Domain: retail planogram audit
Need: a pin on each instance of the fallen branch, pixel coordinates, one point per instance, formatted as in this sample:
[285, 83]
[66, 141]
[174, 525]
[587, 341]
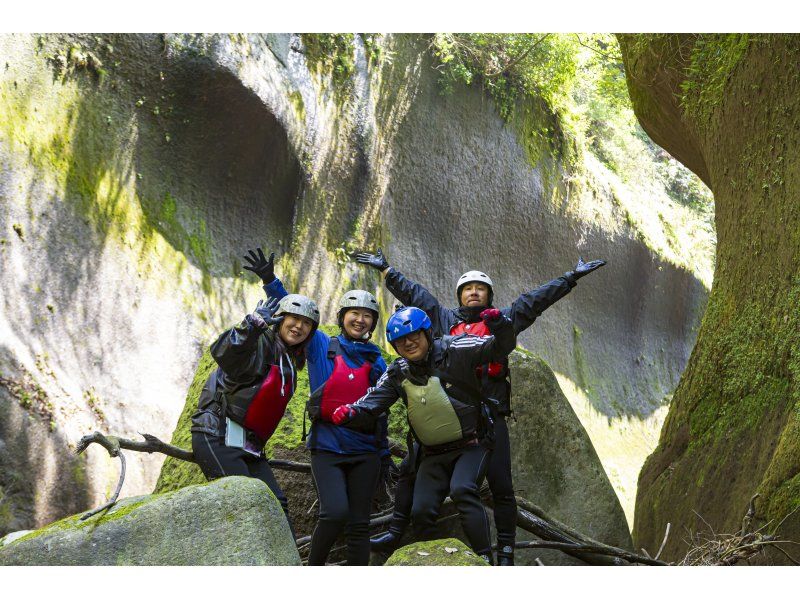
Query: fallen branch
[112, 501]
[152, 444]
[711, 548]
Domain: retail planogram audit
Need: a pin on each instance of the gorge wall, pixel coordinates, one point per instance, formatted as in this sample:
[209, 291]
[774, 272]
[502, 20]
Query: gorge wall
[727, 106]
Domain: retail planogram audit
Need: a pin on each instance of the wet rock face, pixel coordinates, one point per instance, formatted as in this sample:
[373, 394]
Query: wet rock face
[234, 521]
[130, 190]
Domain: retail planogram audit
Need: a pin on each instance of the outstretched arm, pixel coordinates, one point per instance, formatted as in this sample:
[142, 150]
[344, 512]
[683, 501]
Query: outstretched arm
[529, 306]
[410, 293]
[376, 402]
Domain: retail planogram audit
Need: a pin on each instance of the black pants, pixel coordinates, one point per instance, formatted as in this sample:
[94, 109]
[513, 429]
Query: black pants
[498, 475]
[345, 486]
[217, 460]
[458, 473]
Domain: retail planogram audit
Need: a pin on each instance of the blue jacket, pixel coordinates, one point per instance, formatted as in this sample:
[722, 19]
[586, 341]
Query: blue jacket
[325, 436]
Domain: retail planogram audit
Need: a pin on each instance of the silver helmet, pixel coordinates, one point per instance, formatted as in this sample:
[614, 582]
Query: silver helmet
[358, 298]
[474, 276]
[299, 305]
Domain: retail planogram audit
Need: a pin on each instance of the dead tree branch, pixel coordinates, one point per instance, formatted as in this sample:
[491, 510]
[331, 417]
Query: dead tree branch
[112, 501]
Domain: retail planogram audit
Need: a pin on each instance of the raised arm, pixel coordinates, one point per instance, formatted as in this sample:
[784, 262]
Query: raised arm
[410, 293]
[265, 269]
[529, 306]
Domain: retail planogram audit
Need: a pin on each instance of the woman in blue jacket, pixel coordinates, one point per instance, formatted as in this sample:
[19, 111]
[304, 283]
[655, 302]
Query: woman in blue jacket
[345, 460]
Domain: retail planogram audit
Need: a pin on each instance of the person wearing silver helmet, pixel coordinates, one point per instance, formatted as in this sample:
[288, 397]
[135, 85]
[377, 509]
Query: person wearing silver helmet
[475, 293]
[244, 399]
[346, 461]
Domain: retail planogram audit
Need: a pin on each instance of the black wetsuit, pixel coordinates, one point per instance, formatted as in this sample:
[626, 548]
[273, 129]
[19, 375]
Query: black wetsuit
[447, 417]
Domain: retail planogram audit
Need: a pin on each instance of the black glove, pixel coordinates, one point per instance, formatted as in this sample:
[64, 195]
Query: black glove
[263, 267]
[262, 316]
[583, 268]
[377, 260]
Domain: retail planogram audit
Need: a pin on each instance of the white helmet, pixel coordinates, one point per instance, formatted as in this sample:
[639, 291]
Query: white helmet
[474, 276]
[299, 305]
[358, 298]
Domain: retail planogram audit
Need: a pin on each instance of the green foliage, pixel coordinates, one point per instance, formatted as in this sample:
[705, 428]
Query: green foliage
[509, 65]
[330, 53]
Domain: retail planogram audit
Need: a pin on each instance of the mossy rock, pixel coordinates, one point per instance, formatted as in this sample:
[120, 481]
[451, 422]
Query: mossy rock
[436, 553]
[232, 521]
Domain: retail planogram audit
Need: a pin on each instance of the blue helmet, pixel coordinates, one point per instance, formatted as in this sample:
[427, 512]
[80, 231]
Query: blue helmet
[405, 321]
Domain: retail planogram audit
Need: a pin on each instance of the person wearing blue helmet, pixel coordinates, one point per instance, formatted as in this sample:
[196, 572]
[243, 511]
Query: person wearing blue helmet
[436, 379]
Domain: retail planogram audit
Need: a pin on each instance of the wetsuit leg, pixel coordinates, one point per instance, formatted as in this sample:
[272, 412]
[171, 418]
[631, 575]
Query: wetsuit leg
[468, 473]
[331, 484]
[430, 490]
[403, 496]
[217, 460]
[362, 473]
[498, 475]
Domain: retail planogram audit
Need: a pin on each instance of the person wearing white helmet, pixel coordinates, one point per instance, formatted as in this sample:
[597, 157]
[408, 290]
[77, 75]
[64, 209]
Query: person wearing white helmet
[346, 461]
[474, 293]
[244, 399]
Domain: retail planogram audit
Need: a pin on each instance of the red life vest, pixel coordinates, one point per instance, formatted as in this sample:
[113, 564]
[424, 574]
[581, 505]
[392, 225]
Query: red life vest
[494, 369]
[345, 385]
[268, 405]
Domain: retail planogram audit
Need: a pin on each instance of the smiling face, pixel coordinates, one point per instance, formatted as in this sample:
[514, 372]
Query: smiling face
[295, 329]
[414, 346]
[475, 294]
[357, 322]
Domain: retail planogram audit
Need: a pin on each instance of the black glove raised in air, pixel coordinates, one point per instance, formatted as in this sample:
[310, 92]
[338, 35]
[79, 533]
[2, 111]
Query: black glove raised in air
[376, 260]
[263, 267]
[583, 268]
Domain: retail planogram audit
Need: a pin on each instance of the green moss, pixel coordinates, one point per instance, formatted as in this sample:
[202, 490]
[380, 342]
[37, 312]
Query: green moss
[174, 472]
[296, 100]
[331, 53]
[712, 60]
[448, 552]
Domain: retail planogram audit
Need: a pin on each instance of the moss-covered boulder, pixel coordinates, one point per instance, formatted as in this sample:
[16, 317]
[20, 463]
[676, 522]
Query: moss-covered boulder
[554, 463]
[728, 107]
[448, 552]
[233, 521]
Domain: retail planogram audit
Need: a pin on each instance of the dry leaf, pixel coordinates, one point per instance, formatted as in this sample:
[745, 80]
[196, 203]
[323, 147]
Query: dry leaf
[420, 553]
[449, 550]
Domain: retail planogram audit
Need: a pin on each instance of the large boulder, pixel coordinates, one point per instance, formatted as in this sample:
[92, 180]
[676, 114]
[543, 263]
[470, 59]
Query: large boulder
[448, 552]
[232, 521]
[727, 106]
[554, 463]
